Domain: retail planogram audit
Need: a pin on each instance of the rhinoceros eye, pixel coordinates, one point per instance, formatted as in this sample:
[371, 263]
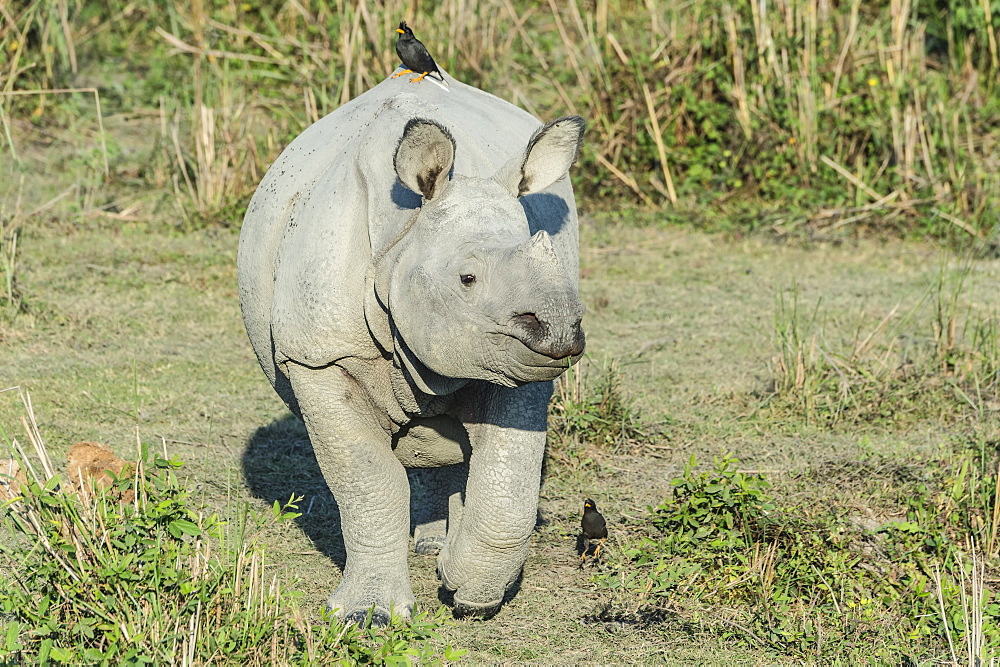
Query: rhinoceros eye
[467, 279]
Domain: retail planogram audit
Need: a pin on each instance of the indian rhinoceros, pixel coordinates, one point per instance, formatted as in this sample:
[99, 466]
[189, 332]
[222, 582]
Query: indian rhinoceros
[408, 280]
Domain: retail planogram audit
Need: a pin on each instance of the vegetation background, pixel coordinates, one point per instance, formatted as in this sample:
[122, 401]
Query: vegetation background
[828, 150]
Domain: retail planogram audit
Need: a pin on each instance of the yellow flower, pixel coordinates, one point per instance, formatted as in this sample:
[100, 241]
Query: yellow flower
[246, 6]
[873, 82]
[12, 47]
[792, 141]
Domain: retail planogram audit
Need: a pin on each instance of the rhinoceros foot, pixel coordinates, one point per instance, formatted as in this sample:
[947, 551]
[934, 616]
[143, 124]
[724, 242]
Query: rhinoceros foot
[478, 592]
[471, 610]
[380, 593]
[380, 618]
[429, 538]
[430, 545]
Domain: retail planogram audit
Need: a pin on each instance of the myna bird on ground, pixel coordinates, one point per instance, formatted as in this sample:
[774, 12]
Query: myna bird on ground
[595, 529]
[414, 55]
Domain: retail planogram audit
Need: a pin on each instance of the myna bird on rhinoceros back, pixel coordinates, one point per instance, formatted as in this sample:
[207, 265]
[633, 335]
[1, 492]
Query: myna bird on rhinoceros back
[595, 529]
[414, 55]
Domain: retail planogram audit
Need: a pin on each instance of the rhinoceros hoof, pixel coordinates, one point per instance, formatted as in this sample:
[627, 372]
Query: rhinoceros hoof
[464, 607]
[354, 600]
[476, 610]
[446, 583]
[430, 545]
[359, 617]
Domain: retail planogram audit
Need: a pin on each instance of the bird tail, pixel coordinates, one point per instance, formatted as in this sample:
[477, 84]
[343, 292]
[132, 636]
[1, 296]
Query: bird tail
[440, 82]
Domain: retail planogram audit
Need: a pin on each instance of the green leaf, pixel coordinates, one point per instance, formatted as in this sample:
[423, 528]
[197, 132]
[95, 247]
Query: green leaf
[902, 526]
[44, 649]
[11, 643]
[93, 654]
[62, 654]
[183, 526]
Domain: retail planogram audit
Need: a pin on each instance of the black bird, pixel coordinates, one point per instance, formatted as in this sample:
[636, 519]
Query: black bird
[595, 529]
[414, 55]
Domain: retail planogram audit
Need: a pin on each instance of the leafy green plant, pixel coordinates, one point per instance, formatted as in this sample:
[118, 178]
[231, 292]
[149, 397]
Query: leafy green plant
[805, 581]
[110, 580]
[717, 509]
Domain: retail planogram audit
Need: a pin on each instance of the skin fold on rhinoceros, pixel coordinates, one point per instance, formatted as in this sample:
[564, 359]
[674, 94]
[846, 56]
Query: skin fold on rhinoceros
[408, 279]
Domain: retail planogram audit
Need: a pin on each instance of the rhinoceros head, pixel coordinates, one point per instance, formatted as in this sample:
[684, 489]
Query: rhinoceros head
[467, 290]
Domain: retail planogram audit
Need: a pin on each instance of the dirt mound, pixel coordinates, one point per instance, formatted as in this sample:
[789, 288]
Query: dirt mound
[93, 467]
[11, 479]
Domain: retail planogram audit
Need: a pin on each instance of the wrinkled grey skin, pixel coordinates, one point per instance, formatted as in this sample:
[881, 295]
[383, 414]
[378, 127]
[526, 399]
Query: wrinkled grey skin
[408, 279]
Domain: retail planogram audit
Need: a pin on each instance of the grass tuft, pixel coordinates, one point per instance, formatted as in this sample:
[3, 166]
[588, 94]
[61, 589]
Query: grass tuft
[894, 366]
[591, 416]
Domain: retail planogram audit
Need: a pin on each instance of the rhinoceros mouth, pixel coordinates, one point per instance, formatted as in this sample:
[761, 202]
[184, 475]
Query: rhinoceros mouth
[525, 365]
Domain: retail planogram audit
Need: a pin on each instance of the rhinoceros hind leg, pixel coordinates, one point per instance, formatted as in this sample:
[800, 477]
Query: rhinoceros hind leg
[431, 490]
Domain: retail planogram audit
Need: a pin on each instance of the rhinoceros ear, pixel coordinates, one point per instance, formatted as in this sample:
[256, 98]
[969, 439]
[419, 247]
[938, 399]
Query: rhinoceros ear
[424, 157]
[551, 151]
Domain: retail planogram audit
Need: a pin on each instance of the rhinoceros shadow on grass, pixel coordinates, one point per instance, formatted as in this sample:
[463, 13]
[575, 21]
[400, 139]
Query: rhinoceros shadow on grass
[278, 464]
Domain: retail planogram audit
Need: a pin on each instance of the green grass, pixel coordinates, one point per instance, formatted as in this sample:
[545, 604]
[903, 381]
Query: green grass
[591, 415]
[815, 580]
[878, 554]
[937, 355]
[142, 330]
[791, 565]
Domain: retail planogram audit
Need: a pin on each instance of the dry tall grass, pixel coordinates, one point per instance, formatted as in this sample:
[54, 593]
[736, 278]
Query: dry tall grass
[845, 110]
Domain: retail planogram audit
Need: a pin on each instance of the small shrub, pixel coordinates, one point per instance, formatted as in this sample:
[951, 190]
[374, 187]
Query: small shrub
[717, 509]
[804, 581]
[97, 579]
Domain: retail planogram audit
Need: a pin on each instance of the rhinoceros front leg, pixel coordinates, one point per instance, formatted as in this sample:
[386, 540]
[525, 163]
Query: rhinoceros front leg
[488, 539]
[370, 487]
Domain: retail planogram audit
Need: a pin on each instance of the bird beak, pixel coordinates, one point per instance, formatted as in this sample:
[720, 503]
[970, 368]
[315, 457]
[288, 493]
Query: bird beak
[401, 32]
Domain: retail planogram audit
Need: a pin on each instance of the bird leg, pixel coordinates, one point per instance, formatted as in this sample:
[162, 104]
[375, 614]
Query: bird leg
[586, 550]
[598, 549]
[405, 71]
[418, 78]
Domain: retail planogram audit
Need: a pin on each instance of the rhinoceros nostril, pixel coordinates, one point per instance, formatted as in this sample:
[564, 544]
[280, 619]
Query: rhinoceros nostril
[528, 320]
